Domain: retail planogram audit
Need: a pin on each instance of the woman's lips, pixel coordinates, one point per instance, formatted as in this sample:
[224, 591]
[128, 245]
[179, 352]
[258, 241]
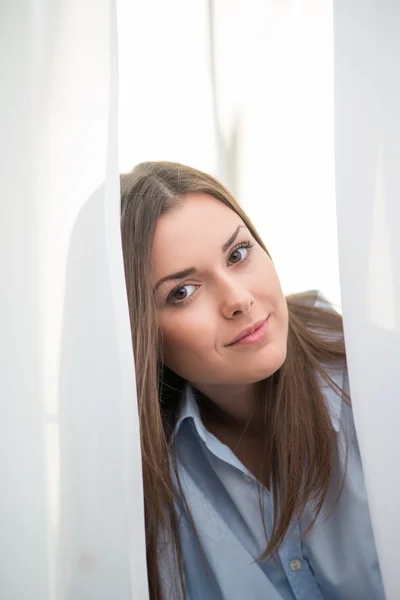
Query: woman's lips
[251, 335]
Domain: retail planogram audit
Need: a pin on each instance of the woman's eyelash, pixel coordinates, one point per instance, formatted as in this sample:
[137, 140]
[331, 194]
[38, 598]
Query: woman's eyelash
[247, 244]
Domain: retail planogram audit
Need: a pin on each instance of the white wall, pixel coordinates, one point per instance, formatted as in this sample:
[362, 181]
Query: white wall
[165, 104]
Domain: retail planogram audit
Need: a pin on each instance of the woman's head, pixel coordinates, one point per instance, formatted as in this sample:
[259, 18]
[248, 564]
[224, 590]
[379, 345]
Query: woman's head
[207, 277]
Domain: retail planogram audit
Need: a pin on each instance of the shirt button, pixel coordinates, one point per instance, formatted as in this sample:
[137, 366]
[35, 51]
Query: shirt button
[295, 564]
[247, 478]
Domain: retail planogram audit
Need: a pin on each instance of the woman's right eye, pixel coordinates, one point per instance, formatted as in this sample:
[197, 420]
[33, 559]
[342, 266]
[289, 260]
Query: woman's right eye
[181, 294]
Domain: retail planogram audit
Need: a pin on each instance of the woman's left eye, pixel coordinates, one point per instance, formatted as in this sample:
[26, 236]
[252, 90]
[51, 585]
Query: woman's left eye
[240, 253]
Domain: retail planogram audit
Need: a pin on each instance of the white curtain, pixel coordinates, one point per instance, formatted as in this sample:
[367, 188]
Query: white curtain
[367, 134]
[71, 502]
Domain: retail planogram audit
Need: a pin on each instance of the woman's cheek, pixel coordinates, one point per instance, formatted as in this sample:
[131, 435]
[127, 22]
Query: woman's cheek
[185, 329]
[187, 342]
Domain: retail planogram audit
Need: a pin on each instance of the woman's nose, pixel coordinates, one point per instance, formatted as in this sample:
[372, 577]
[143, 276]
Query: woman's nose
[236, 299]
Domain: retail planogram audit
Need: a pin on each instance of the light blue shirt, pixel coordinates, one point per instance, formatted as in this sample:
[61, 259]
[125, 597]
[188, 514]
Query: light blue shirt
[336, 560]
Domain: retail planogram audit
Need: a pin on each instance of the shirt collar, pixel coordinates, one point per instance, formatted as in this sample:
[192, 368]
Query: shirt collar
[190, 411]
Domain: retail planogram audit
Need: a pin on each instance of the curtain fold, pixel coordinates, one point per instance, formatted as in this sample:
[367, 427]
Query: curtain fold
[367, 137]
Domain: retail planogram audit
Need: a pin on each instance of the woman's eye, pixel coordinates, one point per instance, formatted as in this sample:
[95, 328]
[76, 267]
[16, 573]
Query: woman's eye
[238, 255]
[182, 293]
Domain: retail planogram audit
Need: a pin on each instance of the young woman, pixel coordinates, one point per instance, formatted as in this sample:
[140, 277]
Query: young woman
[252, 475]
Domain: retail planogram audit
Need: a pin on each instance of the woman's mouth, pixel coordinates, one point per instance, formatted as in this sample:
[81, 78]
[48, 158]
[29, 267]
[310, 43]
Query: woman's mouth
[252, 334]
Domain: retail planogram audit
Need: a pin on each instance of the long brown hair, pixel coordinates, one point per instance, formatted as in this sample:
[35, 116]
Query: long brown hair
[300, 445]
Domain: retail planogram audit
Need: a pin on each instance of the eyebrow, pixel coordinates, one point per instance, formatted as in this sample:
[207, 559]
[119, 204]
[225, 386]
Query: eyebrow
[178, 275]
[233, 237]
[191, 270]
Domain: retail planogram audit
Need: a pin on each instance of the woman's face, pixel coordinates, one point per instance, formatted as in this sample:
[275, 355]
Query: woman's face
[213, 283]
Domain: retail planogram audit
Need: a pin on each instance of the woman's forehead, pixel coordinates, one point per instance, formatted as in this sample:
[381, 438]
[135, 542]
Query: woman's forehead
[196, 216]
[182, 233]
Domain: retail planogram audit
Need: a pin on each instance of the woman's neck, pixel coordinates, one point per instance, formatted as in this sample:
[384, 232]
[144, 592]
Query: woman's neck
[236, 417]
[235, 407]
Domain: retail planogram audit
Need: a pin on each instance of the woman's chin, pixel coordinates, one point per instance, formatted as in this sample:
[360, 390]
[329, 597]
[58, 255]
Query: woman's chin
[257, 369]
[264, 364]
